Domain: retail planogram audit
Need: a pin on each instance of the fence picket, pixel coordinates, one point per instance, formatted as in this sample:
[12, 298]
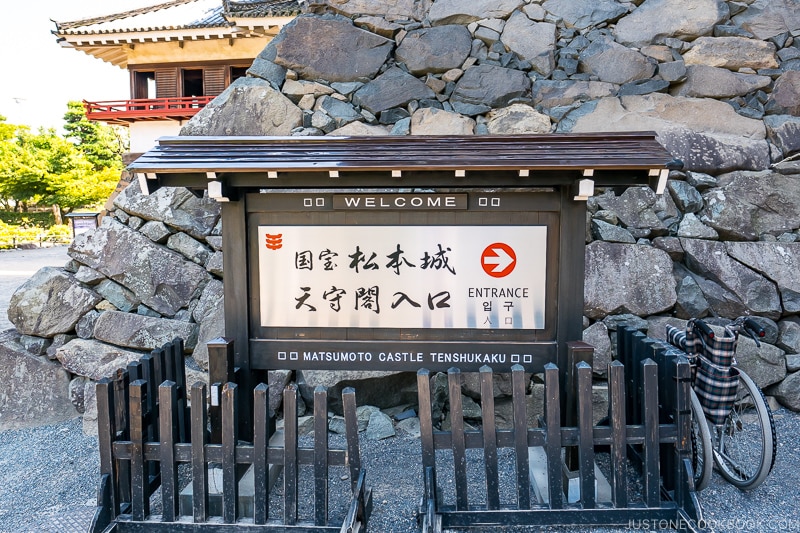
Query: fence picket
[106, 434]
[489, 439]
[351, 434]
[649, 371]
[230, 436]
[121, 486]
[199, 465]
[552, 420]
[619, 432]
[521, 437]
[426, 419]
[585, 436]
[140, 497]
[320, 456]
[261, 434]
[457, 432]
[168, 400]
[290, 455]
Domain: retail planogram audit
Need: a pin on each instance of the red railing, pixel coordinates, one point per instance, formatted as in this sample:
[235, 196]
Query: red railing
[127, 111]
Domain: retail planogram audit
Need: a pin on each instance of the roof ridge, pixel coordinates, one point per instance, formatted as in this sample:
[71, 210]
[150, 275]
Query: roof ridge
[118, 16]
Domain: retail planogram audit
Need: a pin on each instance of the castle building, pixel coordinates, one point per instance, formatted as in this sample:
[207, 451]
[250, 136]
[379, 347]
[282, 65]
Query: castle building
[180, 54]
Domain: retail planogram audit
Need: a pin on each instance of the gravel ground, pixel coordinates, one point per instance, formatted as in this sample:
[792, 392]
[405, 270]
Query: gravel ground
[16, 266]
[48, 479]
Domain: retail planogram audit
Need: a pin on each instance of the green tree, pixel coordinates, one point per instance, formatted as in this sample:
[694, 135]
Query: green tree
[22, 170]
[7, 131]
[102, 145]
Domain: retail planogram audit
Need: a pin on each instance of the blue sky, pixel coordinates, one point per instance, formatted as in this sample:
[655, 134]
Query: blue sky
[40, 77]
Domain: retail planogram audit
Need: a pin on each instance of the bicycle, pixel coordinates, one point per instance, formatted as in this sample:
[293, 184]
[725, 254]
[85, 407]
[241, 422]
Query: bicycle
[732, 425]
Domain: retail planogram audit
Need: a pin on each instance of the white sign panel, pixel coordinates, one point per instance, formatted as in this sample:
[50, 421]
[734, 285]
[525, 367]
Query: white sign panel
[472, 277]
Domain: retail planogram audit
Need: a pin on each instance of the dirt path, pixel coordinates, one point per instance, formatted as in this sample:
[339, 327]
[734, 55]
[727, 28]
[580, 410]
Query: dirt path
[16, 266]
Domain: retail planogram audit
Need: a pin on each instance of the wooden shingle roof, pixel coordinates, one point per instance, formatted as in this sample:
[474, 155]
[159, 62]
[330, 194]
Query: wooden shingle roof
[609, 158]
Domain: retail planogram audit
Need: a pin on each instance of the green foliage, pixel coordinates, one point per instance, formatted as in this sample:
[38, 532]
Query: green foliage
[12, 234]
[102, 145]
[32, 218]
[46, 169]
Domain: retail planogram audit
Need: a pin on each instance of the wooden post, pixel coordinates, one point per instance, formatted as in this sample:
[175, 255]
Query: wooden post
[552, 417]
[140, 484]
[489, 439]
[652, 477]
[518, 387]
[199, 465]
[585, 435]
[290, 455]
[619, 434]
[106, 433]
[220, 372]
[230, 437]
[262, 432]
[168, 399]
[457, 432]
[321, 456]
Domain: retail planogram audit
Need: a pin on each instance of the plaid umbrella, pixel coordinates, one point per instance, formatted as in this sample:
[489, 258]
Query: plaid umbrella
[715, 379]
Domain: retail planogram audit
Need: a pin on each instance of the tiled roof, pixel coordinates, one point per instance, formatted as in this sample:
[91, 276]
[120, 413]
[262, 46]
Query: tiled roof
[261, 8]
[178, 15]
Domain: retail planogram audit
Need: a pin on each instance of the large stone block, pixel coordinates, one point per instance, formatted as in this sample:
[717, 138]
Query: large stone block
[746, 205]
[768, 18]
[552, 93]
[765, 364]
[710, 259]
[393, 88]
[517, 119]
[163, 280]
[706, 134]
[437, 49]
[249, 106]
[732, 53]
[432, 121]
[143, 332]
[210, 314]
[788, 391]
[94, 359]
[635, 208]
[490, 86]
[391, 9]
[656, 20]
[330, 48]
[534, 42]
[583, 14]
[613, 63]
[785, 97]
[460, 12]
[784, 132]
[174, 206]
[627, 278]
[711, 82]
[33, 390]
[49, 303]
[779, 262]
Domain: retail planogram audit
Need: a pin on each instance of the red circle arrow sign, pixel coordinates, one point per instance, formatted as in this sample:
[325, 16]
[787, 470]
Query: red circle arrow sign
[498, 260]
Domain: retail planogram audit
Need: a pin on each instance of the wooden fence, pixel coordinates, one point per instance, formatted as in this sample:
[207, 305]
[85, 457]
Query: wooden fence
[635, 436]
[147, 432]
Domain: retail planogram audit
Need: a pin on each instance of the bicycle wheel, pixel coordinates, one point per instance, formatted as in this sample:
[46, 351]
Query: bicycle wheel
[744, 445]
[702, 454]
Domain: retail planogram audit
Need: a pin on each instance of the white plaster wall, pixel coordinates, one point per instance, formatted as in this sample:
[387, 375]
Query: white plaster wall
[144, 134]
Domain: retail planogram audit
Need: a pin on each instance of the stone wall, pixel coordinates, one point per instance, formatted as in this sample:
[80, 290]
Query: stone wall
[719, 83]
